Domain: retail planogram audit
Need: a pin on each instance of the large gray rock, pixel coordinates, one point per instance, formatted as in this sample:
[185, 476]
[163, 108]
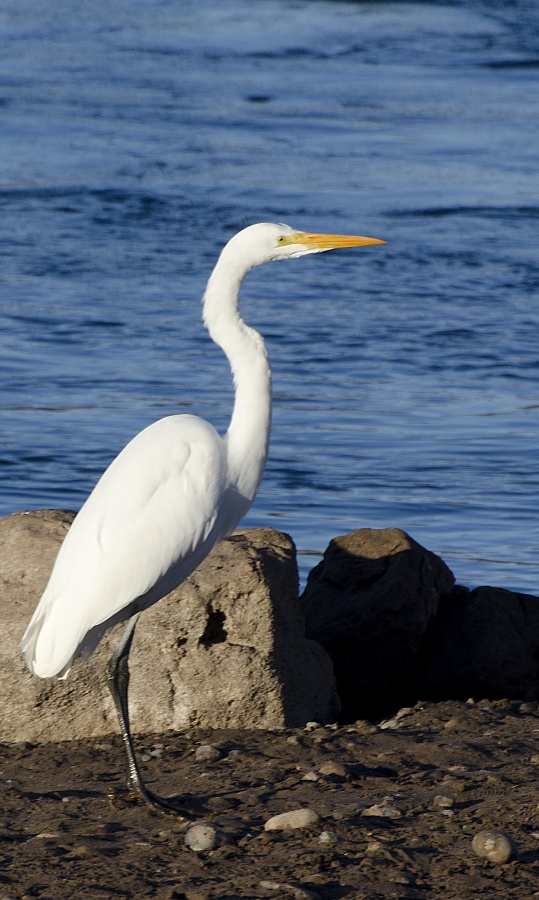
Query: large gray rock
[484, 644]
[226, 649]
[369, 603]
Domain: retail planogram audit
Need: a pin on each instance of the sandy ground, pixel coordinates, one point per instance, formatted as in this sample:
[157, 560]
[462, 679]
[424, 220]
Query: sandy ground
[440, 775]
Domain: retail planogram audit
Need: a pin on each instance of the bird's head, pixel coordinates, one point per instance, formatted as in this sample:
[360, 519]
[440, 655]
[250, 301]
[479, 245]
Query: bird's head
[266, 241]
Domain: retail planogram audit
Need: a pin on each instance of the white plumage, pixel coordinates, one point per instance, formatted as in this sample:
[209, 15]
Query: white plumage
[175, 490]
[140, 533]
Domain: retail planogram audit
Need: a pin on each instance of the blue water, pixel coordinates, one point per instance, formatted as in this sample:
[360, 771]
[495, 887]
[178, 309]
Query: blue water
[136, 137]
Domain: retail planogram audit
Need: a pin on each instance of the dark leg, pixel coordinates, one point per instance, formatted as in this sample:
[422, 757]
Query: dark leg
[118, 680]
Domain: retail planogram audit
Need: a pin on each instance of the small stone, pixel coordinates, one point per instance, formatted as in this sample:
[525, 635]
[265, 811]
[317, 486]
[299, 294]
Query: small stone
[453, 723]
[312, 726]
[201, 838]
[528, 707]
[384, 810]
[311, 776]
[374, 846]
[401, 878]
[443, 802]
[417, 777]
[390, 723]
[405, 711]
[295, 818]
[218, 804]
[496, 846]
[207, 753]
[289, 890]
[328, 837]
[319, 735]
[458, 785]
[334, 769]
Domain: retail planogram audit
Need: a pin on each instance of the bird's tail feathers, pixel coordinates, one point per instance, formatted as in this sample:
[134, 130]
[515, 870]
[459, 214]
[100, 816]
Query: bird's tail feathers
[48, 649]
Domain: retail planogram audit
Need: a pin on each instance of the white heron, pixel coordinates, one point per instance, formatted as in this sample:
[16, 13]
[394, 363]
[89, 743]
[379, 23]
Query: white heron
[175, 490]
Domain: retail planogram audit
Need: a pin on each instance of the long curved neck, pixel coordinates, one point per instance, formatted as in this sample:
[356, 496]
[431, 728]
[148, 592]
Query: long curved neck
[247, 437]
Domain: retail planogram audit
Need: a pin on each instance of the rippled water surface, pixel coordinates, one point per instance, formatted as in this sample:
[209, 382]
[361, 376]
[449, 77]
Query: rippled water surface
[135, 138]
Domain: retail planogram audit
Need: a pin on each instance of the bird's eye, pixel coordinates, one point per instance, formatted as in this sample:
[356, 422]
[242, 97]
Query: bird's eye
[281, 239]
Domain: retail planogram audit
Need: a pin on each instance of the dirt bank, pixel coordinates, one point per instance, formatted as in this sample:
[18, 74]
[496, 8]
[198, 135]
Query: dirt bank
[439, 775]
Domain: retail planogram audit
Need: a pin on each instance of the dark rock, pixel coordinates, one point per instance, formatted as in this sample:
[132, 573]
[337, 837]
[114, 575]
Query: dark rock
[369, 603]
[483, 643]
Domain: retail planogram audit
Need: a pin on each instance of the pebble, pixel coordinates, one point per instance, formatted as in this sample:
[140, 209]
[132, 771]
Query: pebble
[396, 720]
[496, 846]
[443, 802]
[207, 753]
[289, 890]
[335, 769]
[201, 838]
[328, 837]
[366, 728]
[295, 818]
[155, 753]
[458, 785]
[384, 810]
[528, 707]
[374, 846]
[401, 878]
[390, 723]
[319, 735]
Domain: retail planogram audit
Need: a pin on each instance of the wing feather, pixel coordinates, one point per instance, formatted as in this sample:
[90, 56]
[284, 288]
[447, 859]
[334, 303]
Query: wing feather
[149, 521]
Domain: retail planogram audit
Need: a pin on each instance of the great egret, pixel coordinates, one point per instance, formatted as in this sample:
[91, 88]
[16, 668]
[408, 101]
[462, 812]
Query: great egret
[175, 490]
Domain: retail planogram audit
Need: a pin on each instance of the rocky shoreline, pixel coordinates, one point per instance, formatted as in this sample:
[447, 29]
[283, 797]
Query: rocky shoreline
[401, 808]
[381, 625]
[283, 796]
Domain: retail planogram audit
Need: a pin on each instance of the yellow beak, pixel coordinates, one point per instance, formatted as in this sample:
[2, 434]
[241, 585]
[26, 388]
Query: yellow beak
[333, 241]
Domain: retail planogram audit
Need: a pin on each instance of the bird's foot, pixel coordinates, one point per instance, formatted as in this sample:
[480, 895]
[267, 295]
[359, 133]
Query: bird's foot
[141, 795]
[166, 806]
